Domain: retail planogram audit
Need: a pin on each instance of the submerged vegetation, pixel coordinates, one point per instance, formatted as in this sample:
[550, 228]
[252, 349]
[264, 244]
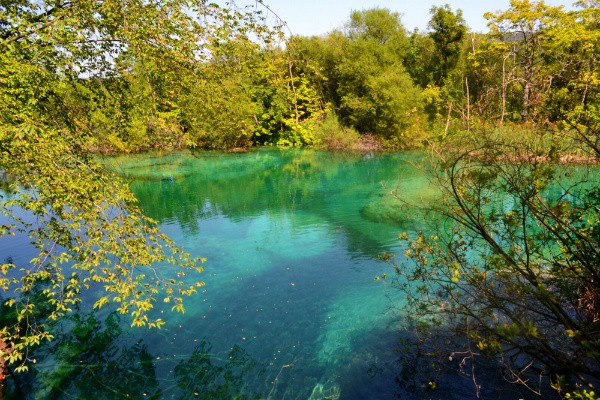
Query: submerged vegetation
[517, 266]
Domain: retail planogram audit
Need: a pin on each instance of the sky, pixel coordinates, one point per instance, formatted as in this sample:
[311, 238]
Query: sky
[317, 17]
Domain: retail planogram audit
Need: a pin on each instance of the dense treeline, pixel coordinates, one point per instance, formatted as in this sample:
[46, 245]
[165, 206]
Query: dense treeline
[536, 63]
[370, 79]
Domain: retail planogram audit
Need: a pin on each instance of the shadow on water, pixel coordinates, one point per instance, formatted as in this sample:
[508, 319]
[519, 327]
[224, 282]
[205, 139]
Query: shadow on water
[92, 357]
[96, 355]
[421, 368]
[86, 357]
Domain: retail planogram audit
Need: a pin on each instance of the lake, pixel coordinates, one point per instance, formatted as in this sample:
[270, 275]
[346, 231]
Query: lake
[291, 308]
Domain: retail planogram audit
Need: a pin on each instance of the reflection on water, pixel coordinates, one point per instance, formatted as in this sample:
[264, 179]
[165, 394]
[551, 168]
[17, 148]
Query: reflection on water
[290, 309]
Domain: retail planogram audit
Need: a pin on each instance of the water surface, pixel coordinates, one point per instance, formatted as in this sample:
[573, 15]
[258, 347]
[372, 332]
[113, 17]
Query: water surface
[290, 310]
[292, 239]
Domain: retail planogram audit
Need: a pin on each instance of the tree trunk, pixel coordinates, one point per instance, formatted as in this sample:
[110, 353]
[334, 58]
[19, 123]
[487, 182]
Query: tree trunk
[295, 95]
[447, 122]
[526, 96]
[468, 105]
[503, 110]
[2, 370]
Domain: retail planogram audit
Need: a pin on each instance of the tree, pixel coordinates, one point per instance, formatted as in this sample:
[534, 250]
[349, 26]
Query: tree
[435, 61]
[447, 31]
[513, 263]
[317, 59]
[375, 93]
[574, 53]
[377, 24]
[286, 92]
[520, 39]
[357, 73]
[535, 64]
[516, 266]
[82, 220]
[418, 59]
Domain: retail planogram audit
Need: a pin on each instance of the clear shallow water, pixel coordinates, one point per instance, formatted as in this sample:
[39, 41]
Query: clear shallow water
[290, 309]
[292, 239]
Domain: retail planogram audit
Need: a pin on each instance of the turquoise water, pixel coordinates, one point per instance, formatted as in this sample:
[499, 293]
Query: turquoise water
[292, 239]
[290, 310]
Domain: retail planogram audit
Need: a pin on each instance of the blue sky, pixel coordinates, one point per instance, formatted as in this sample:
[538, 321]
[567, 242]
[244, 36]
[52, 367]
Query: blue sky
[316, 17]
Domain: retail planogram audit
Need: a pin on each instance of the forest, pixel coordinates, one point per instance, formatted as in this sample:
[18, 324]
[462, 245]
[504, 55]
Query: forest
[498, 109]
[236, 83]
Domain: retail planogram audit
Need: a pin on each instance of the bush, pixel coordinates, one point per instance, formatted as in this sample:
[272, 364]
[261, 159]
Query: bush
[333, 136]
[514, 259]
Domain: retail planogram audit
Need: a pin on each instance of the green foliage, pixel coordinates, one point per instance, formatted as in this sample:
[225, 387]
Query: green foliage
[88, 231]
[358, 72]
[120, 77]
[447, 32]
[379, 25]
[514, 261]
[581, 395]
[535, 58]
[105, 76]
[316, 58]
[375, 94]
[218, 112]
[289, 104]
[535, 67]
[133, 77]
[418, 59]
[333, 136]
